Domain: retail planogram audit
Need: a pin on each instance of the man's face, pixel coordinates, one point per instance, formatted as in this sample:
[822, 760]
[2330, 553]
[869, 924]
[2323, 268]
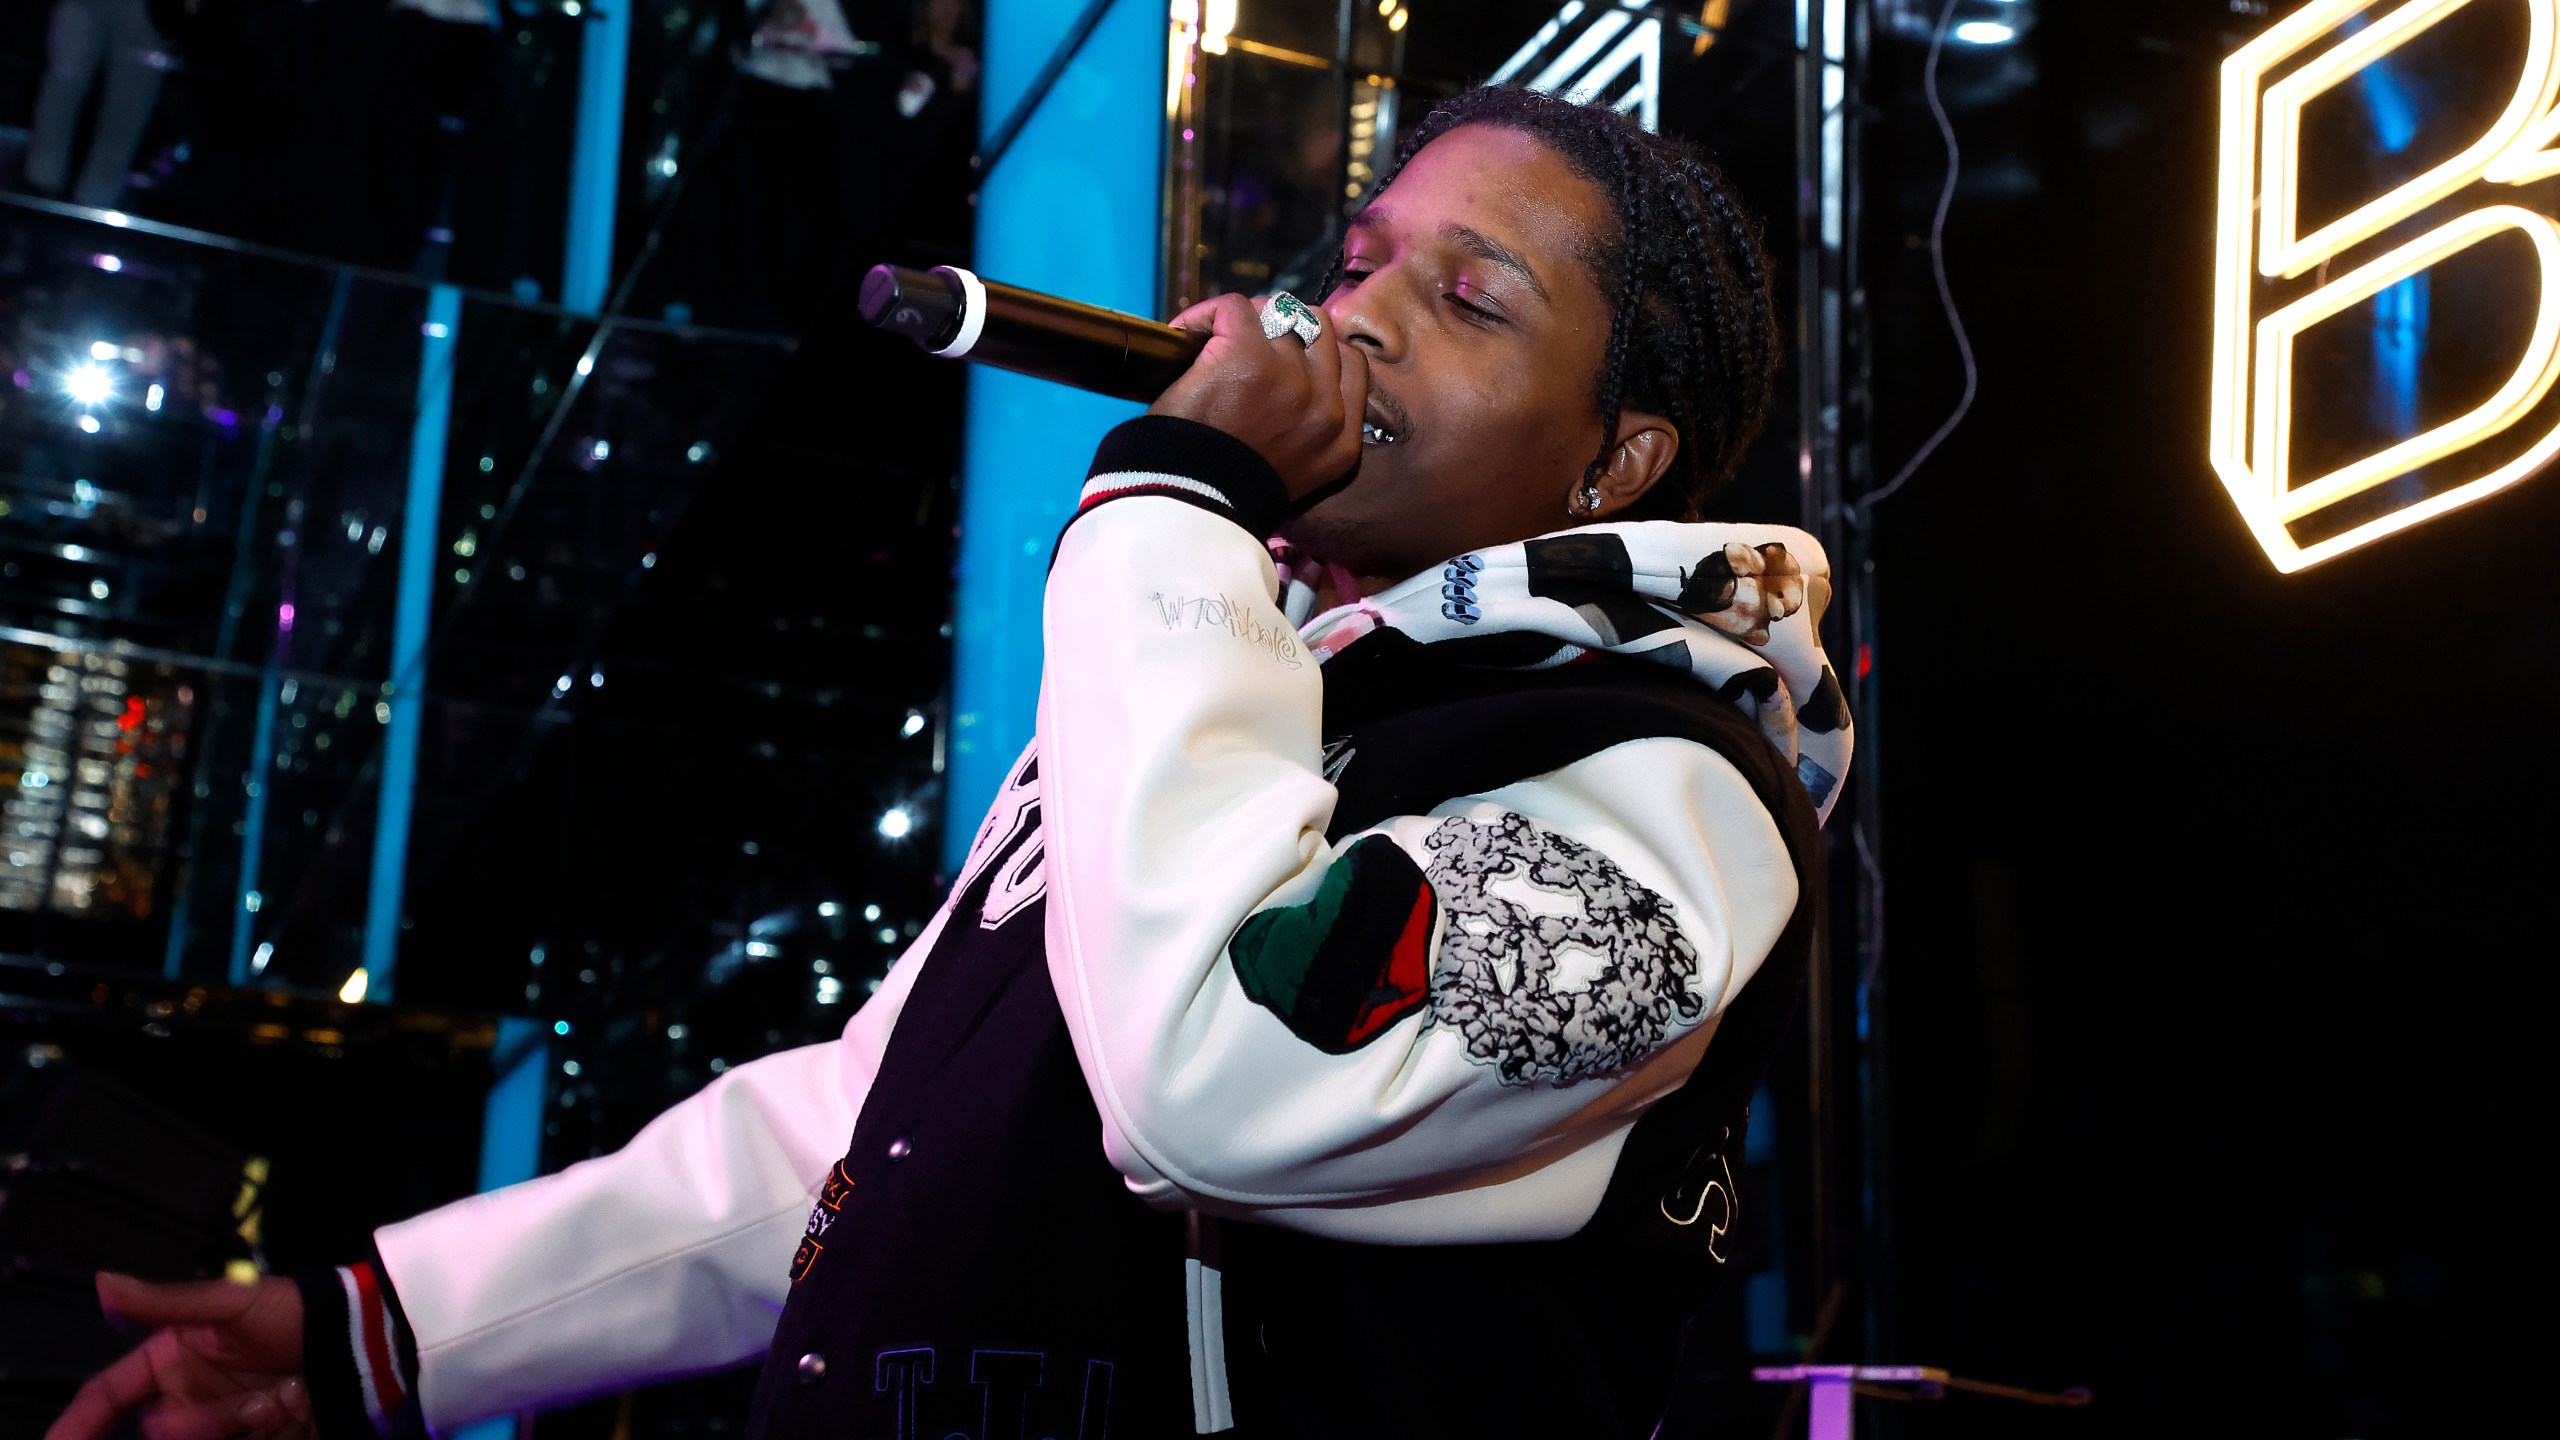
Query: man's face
[1468, 286]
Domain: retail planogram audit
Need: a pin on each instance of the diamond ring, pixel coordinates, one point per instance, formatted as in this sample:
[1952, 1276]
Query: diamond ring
[1287, 314]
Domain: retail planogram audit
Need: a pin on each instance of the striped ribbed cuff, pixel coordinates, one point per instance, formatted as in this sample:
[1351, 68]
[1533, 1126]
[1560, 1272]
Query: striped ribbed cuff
[1185, 460]
[359, 1357]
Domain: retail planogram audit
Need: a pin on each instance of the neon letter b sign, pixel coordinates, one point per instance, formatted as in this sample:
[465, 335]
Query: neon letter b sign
[2260, 236]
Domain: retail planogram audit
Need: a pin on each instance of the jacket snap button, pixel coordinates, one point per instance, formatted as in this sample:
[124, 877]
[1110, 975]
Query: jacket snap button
[813, 1368]
[899, 1148]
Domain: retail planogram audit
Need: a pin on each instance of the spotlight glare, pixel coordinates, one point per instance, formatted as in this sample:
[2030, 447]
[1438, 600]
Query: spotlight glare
[914, 725]
[1985, 32]
[352, 993]
[90, 385]
[89, 424]
[152, 397]
[897, 824]
[101, 350]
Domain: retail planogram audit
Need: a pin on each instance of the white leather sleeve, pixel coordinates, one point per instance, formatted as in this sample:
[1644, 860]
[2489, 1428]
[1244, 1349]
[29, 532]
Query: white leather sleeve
[671, 1255]
[1183, 793]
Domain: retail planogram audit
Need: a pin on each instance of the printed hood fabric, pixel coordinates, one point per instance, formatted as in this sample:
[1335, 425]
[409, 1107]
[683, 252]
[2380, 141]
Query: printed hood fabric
[1737, 606]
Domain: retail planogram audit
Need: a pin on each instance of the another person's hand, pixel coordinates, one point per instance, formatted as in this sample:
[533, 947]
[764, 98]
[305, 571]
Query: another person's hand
[222, 1360]
[1298, 405]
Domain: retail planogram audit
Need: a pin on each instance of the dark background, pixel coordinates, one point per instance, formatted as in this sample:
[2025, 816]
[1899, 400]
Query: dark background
[2219, 1065]
[2213, 987]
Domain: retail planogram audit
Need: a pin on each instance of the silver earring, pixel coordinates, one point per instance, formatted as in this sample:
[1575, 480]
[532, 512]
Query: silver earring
[1588, 502]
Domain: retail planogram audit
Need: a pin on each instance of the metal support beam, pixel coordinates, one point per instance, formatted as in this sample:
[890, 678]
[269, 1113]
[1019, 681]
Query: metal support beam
[253, 820]
[1851, 1237]
[1073, 208]
[412, 606]
[511, 1144]
[595, 162]
[511, 1128]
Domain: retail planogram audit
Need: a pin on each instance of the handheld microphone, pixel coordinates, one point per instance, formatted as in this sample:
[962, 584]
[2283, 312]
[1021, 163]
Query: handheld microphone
[953, 313]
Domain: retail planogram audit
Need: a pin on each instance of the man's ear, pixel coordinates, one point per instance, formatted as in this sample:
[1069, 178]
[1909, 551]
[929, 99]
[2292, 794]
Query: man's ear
[1646, 445]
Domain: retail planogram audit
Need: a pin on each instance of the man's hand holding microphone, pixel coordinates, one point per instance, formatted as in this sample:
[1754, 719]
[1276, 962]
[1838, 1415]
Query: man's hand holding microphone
[1296, 392]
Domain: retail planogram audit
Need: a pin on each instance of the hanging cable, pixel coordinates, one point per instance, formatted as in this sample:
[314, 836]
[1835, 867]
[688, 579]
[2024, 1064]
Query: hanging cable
[1938, 268]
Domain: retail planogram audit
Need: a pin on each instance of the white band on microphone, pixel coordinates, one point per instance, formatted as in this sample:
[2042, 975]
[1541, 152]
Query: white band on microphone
[973, 311]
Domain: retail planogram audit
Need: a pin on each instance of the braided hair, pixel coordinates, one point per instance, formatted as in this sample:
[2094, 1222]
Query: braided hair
[1693, 335]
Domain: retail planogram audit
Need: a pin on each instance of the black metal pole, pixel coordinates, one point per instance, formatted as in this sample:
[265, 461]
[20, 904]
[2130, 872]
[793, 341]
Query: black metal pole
[983, 164]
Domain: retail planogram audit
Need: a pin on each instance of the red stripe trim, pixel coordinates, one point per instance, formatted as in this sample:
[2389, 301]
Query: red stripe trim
[1145, 488]
[373, 1323]
[1406, 977]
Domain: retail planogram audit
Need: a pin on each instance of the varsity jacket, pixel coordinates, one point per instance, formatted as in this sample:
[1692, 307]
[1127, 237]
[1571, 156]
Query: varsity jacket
[1340, 1026]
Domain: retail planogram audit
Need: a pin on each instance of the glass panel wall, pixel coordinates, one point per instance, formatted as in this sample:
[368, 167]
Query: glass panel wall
[373, 625]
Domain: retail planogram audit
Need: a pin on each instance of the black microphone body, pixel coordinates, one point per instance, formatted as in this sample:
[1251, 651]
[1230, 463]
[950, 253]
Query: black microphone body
[953, 313]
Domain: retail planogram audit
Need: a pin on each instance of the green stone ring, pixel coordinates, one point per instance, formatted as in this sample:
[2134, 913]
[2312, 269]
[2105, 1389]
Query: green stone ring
[1287, 314]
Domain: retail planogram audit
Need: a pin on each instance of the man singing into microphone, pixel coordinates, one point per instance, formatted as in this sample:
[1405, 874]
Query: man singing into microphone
[1343, 1022]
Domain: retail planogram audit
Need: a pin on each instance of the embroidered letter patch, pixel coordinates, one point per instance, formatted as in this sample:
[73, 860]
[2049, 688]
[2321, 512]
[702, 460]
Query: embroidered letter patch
[1354, 960]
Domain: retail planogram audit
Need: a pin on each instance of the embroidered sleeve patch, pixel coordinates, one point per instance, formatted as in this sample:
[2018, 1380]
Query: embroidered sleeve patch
[1351, 962]
[1579, 971]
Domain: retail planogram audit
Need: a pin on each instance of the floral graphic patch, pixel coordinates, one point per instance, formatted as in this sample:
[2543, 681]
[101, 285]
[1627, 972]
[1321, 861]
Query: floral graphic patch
[1744, 589]
[1543, 995]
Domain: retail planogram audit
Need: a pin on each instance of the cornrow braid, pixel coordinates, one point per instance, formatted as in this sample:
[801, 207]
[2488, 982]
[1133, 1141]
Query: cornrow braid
[1693, 330]
[1633, 211]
